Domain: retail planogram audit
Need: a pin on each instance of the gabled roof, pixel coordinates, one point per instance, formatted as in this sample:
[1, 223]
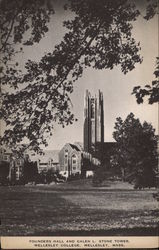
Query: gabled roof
[74, 147]
[48, 154]
[79, 145]
[53, 154]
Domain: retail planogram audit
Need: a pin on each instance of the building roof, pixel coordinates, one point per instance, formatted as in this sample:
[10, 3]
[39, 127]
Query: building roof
[74, 147]
[79, 145]
[48, 154]
[44, 158]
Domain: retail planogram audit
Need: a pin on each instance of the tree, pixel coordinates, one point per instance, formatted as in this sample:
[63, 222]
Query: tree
[30, 171]
[4, 172]
[151, 91]
[136, 149]
[100, 36]
[22, 23]
[18, 18]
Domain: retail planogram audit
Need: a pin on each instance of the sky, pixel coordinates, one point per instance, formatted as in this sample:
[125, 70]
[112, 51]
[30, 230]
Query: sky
[116, 87]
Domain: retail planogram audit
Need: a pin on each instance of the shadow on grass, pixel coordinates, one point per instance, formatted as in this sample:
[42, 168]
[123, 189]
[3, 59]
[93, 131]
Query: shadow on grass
[137, 231]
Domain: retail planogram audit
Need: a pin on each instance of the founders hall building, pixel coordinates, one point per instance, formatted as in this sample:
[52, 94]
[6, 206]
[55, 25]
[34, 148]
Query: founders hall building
[77, 158]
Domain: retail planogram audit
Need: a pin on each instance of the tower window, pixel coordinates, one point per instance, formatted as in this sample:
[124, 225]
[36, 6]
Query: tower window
[92, 108]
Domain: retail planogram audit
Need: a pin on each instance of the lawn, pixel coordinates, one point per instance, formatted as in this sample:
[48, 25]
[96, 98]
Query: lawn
[77, 208]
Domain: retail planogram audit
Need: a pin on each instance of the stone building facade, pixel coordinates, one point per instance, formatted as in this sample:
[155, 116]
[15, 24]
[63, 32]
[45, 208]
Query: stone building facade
[70, 160]
[15, 163]
[48, 160]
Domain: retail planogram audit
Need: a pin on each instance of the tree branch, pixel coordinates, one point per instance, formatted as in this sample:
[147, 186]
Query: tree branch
[11, 27]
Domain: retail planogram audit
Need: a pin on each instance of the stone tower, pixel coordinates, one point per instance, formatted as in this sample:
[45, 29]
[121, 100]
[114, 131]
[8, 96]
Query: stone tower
[93, 123]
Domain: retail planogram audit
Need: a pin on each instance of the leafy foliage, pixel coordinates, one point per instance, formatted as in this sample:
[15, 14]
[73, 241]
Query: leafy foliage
[23, 23]
[151, 9]
[100, 36]
[18, 18]
[30, 172]
[4, 172]
[151, 91]
[136, 150]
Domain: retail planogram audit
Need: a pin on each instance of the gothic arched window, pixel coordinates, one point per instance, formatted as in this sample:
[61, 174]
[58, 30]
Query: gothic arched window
[74, 162]
[66, 157]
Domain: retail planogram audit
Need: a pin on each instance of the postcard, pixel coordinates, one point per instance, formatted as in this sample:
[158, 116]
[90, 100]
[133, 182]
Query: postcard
[79, 131]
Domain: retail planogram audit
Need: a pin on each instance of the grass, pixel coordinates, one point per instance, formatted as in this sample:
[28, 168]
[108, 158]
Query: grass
[77, 208]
